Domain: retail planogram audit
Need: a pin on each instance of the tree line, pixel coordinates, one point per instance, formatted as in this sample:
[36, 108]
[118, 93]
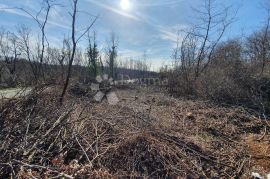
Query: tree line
[207, 66]
[28, 61]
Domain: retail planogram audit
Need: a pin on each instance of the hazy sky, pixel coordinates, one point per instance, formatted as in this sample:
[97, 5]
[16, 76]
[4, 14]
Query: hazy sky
[146, 25]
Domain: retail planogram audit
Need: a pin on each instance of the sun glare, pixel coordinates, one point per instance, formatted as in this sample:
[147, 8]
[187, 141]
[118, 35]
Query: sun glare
[125, 4]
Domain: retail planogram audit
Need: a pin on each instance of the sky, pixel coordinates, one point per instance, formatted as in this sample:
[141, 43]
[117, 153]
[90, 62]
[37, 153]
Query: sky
[142, 26]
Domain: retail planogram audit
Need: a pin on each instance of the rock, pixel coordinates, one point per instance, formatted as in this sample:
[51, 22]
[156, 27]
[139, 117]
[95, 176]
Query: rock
[111, 81]
[112, 98]
[94, 87]
[190, 115]
[256, 175]
[105, 77]
[99, 96]
[99, 79]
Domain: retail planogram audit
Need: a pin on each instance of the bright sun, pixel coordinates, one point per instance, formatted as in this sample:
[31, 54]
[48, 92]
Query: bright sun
[125, 4]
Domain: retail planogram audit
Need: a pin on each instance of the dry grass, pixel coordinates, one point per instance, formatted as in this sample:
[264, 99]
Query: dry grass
[259, 152]
[148, 134]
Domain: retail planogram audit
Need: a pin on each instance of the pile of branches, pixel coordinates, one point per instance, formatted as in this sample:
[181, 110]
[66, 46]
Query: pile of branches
[81, 139]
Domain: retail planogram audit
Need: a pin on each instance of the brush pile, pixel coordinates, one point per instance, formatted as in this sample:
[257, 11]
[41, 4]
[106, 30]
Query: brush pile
[139, 137]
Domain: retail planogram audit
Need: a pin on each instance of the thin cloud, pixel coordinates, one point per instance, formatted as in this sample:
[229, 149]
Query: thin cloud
[160, 3]
[127, 53]
[164, 33]
[117, 11]
[172, 33]
[4, 8]
[16, 11]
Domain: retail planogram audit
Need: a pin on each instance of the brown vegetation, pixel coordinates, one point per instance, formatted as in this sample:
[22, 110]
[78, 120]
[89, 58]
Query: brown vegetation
[148, 134]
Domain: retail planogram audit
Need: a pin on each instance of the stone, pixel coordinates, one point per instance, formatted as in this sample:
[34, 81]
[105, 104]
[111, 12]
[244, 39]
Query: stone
[94, 87]
[112, 98]
[105, 77]
[99, 96]
[99, 79]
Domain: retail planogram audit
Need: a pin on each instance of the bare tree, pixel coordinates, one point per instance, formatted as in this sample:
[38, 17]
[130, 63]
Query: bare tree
[5, 45]
[228, 51]
[65, 56]
[3, 48]
[263, 40]
[213, 23]
[15, 53]
[112, 54]
[57, 58]
[9, 50]
[24, 34]
[145, 66]
[74, 45]
[42, 22]
[176, 52]
[258, 46]
[188, 52]
[192, 56]
[60, 57]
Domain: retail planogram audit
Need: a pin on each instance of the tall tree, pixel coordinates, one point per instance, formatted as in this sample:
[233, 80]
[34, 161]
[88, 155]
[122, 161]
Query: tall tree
[93, 55]
[74, 44]
[112, 54]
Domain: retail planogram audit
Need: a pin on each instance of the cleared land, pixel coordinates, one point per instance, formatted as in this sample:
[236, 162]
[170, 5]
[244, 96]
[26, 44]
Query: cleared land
[147, 134]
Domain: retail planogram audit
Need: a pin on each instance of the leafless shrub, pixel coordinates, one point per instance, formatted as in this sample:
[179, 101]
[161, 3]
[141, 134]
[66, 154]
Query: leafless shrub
[39, 138]
[223, 71]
